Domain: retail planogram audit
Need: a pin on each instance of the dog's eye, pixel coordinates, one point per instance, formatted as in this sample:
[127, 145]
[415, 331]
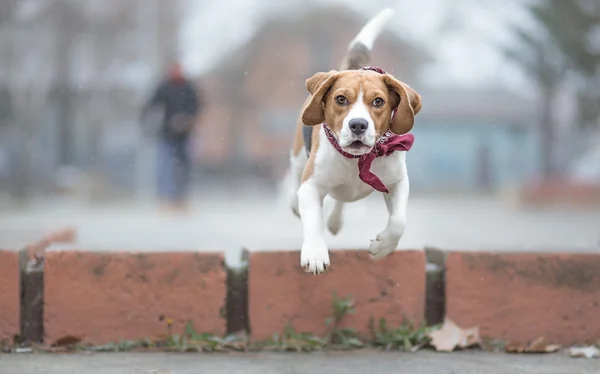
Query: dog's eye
[341, 100]
[378, 102]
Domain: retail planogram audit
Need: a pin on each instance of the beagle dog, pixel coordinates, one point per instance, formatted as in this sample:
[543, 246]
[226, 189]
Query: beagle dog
[350, 140]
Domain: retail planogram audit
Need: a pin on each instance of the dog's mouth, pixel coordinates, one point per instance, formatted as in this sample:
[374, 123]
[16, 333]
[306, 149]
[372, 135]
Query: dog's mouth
[357, 148]
[357, 144]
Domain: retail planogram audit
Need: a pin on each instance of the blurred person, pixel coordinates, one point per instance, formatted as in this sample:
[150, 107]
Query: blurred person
[175, 105]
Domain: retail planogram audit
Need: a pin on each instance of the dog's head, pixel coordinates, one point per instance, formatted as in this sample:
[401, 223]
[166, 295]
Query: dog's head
[358, 105]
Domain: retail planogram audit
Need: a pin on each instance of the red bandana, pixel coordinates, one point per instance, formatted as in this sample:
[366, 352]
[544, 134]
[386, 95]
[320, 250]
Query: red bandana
[385, 146]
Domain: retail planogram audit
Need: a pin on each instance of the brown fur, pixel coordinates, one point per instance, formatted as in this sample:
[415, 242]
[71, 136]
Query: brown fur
[321, 106]
[298, 142]
[325, 87]
[356, 57]
[310, 164]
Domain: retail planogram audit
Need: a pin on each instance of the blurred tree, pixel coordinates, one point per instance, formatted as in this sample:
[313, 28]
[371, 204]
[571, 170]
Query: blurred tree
[574, 25]
[61, 61]
[543, 62]
[562, 47]
[27, 79]
[5, 106]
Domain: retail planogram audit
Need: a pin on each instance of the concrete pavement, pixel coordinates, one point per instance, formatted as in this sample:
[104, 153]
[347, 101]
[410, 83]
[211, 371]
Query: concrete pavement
[372, 362]
[229, 222]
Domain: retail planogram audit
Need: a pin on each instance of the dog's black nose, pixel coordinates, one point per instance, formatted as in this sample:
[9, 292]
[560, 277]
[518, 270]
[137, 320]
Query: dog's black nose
[358, 126]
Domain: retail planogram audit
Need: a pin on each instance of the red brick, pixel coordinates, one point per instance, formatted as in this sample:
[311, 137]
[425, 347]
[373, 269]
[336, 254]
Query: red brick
[280, 292]
[108, 297]
[9, 295]
[561, 192]
[519, 297]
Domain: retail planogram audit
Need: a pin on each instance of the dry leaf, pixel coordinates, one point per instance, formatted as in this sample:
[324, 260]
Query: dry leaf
[539, 345]
[587, 352]
[515, 348]
[553, 348]
[451, 336]
[66, 341]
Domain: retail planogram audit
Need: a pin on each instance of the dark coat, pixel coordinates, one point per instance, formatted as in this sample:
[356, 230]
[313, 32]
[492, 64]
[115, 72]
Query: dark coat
[175, 98]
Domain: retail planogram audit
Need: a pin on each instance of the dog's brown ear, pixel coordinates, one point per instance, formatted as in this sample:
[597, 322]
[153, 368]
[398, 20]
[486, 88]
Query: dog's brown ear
[409, 104]
[317, 85]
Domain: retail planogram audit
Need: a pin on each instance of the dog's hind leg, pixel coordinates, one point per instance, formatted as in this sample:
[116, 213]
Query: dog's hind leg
[297, 163]
[334, 214]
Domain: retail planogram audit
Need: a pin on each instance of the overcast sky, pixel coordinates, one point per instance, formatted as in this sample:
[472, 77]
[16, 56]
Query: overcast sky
[459, 33]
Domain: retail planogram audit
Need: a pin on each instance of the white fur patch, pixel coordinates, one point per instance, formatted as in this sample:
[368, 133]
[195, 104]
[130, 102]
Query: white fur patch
[371, 30]
[337, 177]
[314, 255]
[359, 110]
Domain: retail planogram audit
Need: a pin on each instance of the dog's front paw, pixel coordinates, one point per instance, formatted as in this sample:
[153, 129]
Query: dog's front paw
[314, 257]
[382, 246]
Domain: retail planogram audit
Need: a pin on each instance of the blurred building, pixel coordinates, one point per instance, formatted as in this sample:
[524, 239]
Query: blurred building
[255, 93]
[465, 140]
[468, 140]
[74, 74]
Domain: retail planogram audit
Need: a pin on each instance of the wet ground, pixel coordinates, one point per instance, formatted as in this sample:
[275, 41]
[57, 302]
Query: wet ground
[228, 222]
[371, 362]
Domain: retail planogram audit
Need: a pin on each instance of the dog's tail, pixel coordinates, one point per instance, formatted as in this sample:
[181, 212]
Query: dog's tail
[359, 50]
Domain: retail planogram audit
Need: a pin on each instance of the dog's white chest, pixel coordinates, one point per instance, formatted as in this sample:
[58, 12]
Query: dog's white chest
[341, 175]
[347, 184]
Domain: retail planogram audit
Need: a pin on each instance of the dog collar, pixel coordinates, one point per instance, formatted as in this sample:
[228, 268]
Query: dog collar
[385, 146]
[374, 68]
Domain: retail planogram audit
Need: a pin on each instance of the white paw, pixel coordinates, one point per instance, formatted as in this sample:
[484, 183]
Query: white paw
[382, 246]
[314, 257]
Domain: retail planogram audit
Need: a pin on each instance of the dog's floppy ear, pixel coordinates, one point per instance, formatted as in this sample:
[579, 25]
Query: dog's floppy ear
[408, 106]
[317, 85]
